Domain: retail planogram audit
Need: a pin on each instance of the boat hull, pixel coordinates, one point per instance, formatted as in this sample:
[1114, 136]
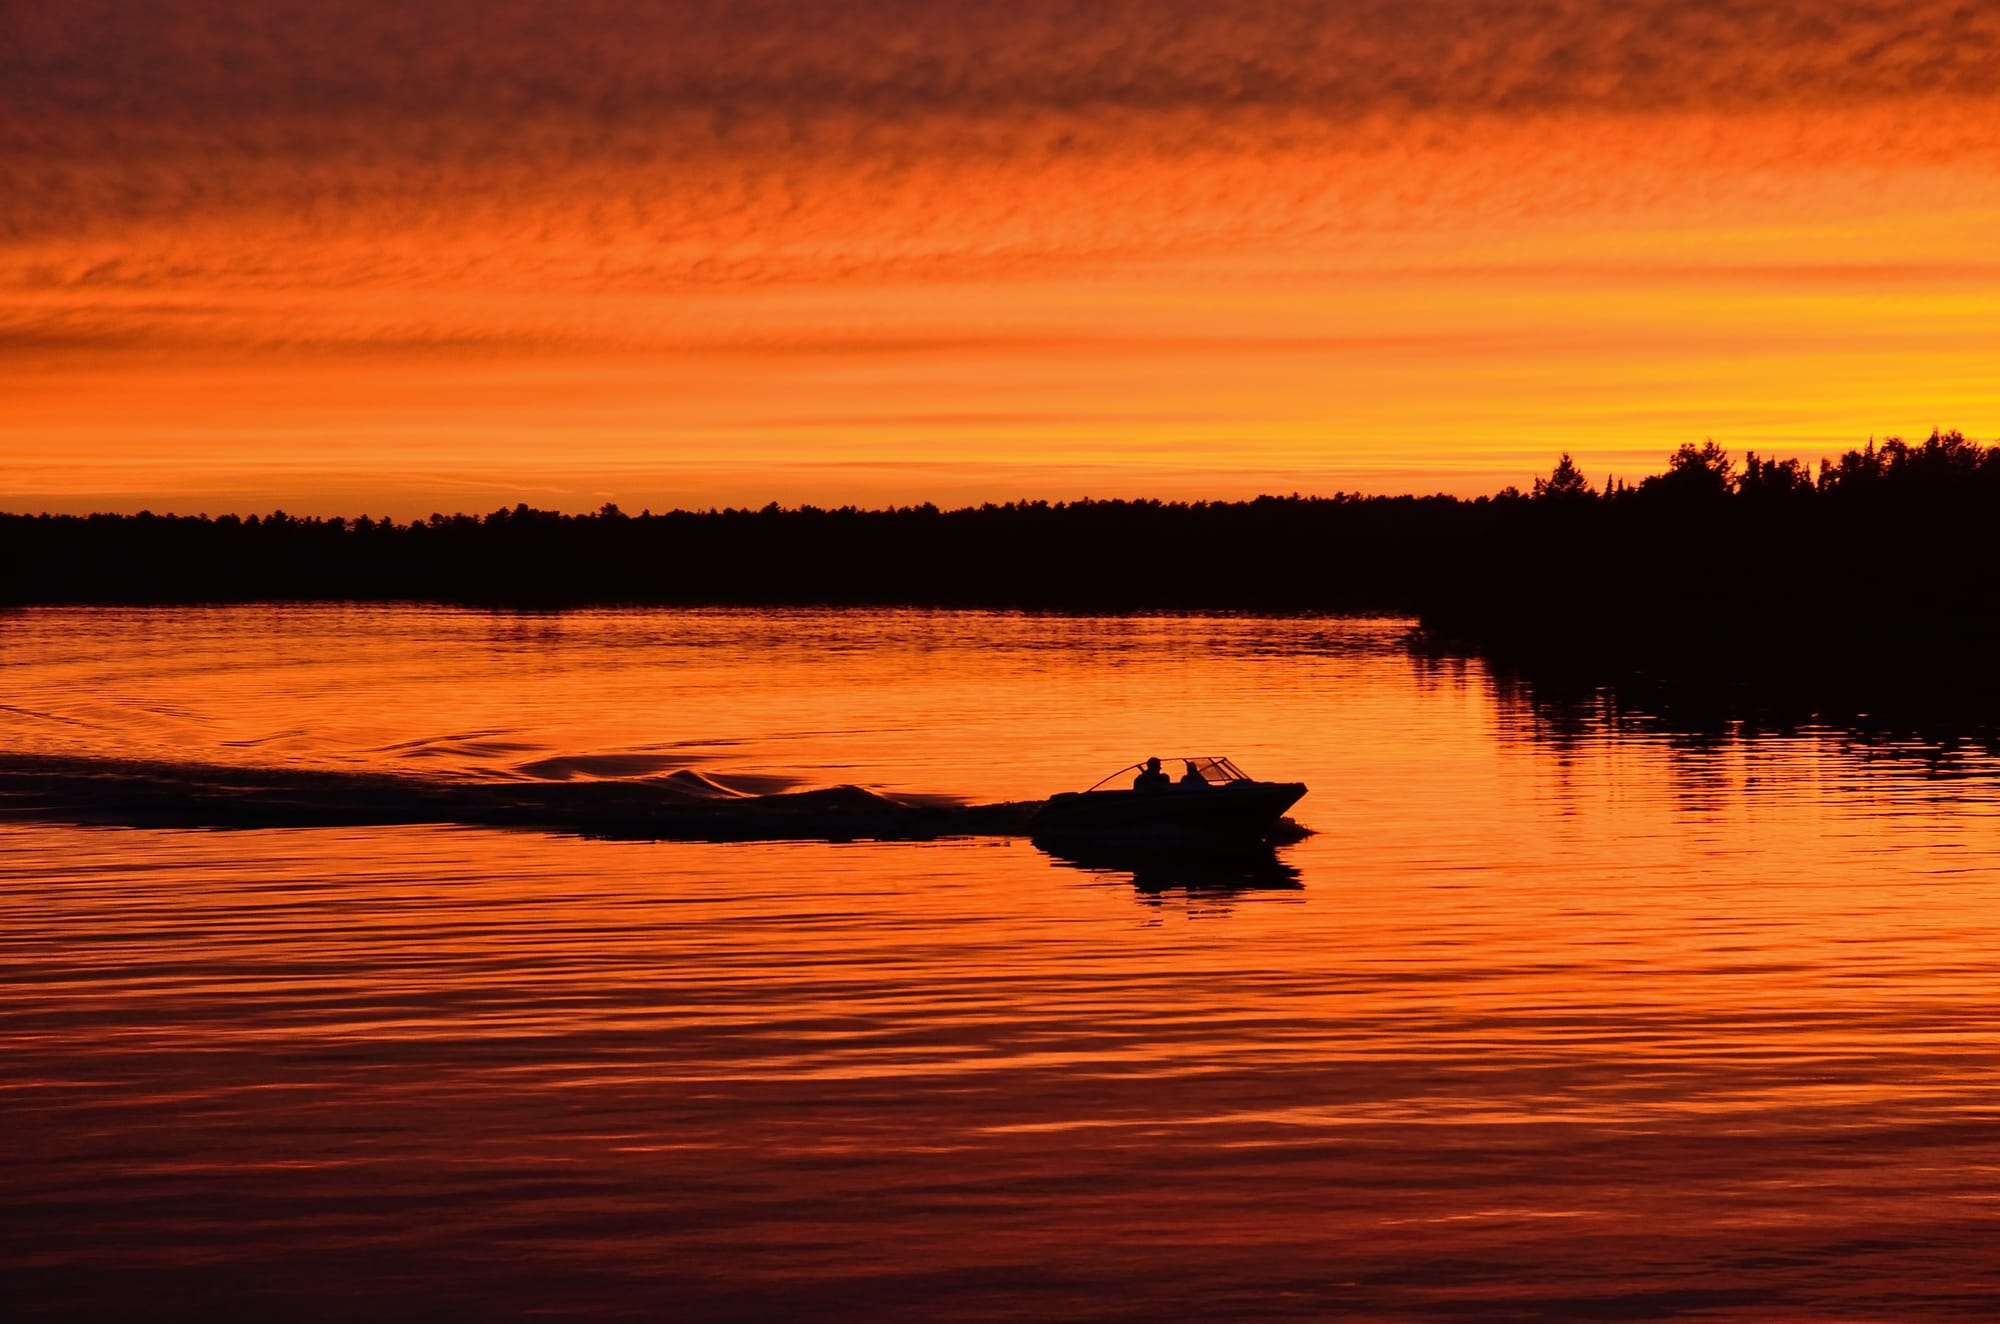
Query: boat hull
[1237, 812]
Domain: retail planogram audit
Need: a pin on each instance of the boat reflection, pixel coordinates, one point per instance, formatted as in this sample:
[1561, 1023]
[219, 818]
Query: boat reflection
[1210, 872]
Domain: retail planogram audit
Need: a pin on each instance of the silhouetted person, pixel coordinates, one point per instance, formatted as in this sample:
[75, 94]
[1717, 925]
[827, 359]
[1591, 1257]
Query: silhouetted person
[1151, 778]
[1193, 777]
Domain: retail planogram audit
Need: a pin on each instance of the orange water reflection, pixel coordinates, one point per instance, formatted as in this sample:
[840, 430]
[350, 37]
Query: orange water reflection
[1621, 1024]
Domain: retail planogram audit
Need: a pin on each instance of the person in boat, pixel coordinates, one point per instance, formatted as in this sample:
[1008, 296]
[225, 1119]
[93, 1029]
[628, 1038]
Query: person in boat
[1192, 777]
[1151, 778]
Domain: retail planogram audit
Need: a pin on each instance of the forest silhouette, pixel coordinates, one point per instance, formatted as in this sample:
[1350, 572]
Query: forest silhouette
[1885, 559]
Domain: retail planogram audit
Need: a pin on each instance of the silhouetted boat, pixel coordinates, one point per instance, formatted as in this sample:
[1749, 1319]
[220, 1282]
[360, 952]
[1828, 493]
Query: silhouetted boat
[1215, 801]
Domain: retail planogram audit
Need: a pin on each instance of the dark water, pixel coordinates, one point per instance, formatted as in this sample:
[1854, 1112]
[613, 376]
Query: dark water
[1550, 1019]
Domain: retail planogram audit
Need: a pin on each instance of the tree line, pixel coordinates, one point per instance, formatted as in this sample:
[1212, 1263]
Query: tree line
[1885, 562]
[1887, 552]
[1944, 465]
[1347, 553]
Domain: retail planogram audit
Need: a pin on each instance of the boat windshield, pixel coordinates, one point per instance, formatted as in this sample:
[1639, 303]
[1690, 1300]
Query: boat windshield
[1213, 770]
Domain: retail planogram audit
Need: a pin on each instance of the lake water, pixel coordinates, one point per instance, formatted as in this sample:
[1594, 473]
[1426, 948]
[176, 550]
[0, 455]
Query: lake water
[1554, 1016]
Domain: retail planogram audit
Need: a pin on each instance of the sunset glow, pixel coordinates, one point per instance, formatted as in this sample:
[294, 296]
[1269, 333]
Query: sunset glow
[1092, 660]
[370, 257]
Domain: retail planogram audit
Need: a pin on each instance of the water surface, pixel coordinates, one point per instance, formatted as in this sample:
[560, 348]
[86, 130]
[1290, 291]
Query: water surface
[1553, 1017]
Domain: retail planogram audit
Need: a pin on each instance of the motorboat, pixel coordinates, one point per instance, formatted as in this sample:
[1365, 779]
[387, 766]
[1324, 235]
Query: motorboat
[1213, 801]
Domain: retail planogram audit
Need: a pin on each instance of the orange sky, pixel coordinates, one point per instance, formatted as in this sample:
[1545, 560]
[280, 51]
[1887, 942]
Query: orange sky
[347, 258]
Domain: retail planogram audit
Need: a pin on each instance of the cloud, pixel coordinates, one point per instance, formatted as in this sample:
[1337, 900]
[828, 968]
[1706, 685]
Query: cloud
[460, 84]
[735, 209]
[616, 63]
[734, 139]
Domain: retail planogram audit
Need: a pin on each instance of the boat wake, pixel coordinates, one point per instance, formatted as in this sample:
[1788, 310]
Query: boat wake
[684, 805]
